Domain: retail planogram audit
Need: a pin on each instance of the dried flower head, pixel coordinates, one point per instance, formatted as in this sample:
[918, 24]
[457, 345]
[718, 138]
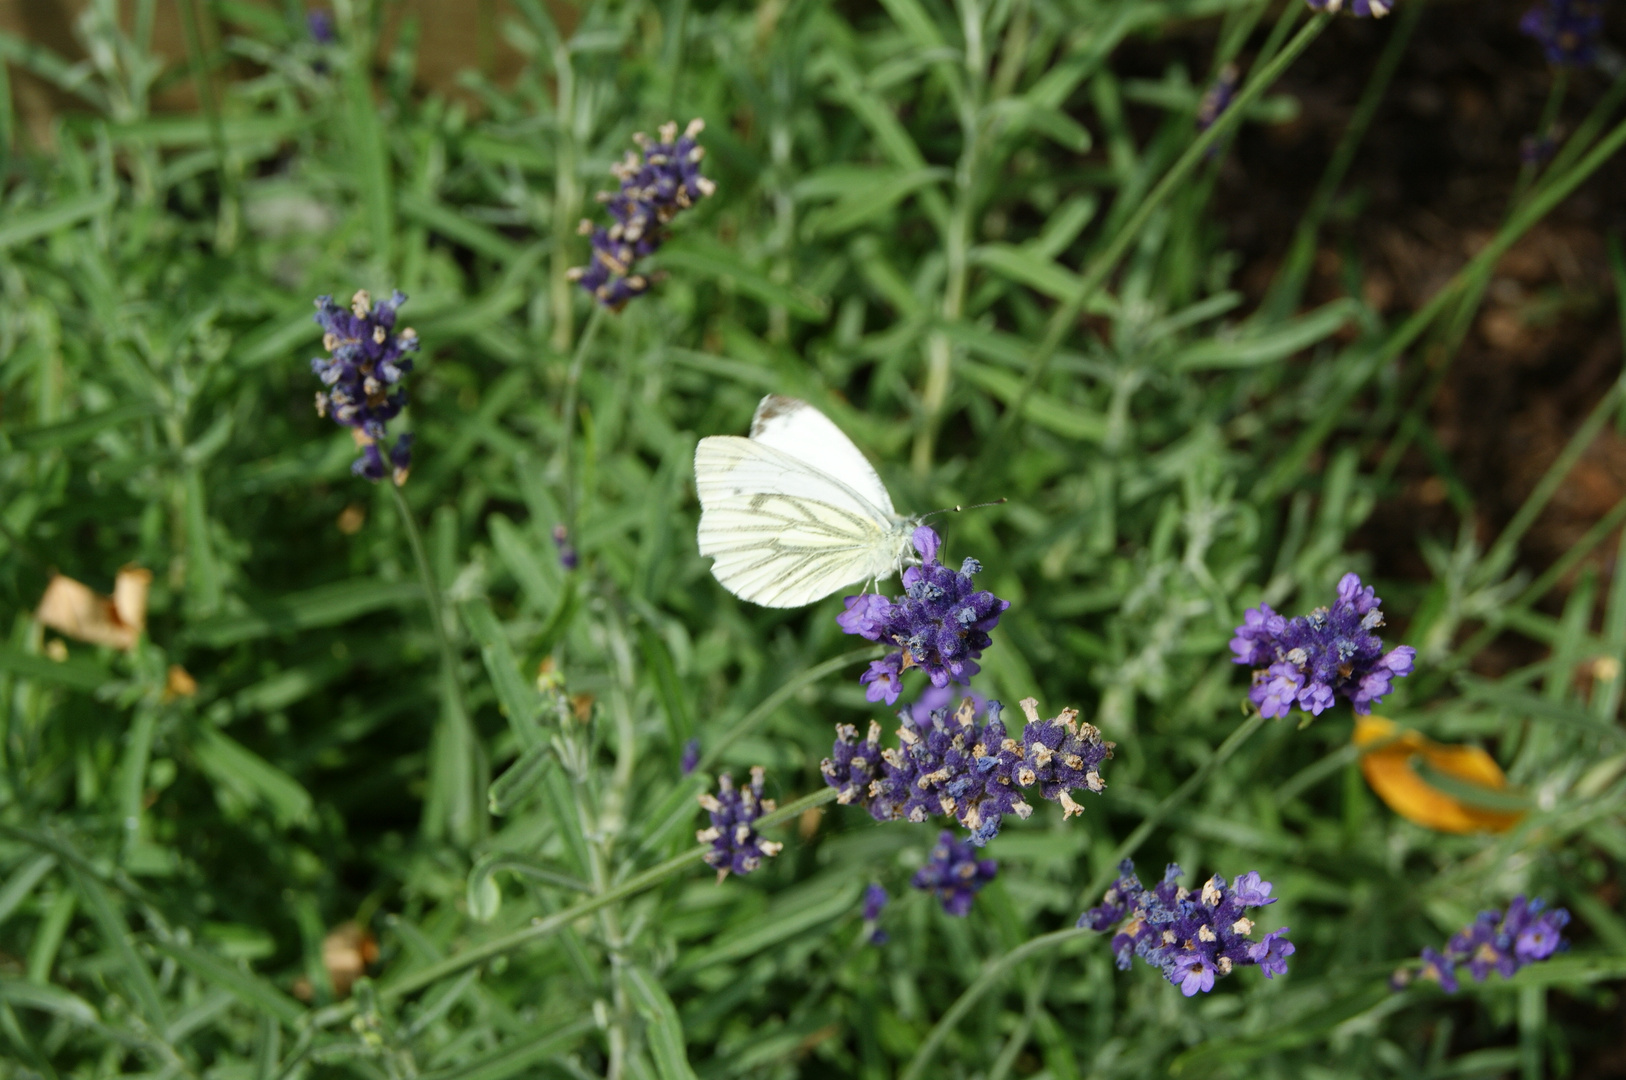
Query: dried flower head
[1361, 9]
[1193, 938]
[954, 873]
[1496, 941]
[940, 624]
[1566, 30]
[364, 370]
[1312, 660]
[655, 188]
[735, 844]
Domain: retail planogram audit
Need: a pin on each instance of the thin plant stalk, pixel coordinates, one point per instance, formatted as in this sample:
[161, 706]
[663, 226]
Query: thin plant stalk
[451, 682]
[567, 434]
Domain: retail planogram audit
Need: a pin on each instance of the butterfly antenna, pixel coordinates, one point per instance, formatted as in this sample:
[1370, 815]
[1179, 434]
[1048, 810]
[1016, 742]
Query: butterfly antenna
[959, 509]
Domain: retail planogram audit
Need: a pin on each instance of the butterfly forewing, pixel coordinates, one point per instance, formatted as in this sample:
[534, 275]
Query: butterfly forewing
[784, 528]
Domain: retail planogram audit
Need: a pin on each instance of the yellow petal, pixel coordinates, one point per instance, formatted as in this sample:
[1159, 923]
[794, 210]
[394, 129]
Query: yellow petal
[1389, 772]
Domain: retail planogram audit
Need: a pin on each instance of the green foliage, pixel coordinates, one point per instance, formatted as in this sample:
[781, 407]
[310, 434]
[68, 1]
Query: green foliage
[938, 224]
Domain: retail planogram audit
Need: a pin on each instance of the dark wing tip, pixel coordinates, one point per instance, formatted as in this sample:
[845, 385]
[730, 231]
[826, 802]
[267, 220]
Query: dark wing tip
[774, 405]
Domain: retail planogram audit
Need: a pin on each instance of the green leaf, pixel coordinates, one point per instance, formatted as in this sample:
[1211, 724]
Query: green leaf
[326, 605]
[446, 221]
[520, 700]
[666, 1043]
[252, 778]
[884, 189]
[794, 912]
[20, 228]
[1037, 272]
[520, 779]
[1256, 350]
[241, 983]
[1072, 421]
[709, 259]
[22, 882]
[83, 429]
[516, 1056]
[47, 998]
[116, 933]
[75, 674]
[1523, 703]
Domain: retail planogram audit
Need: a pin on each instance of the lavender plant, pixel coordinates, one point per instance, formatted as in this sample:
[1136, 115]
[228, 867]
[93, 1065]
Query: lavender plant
[296, 827]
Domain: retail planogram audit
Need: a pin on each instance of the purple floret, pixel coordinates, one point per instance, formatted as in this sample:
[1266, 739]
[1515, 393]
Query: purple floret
[940, 625]
[1312, 660]
[955, 873]
[736, 847]
[1193, 938]
[367, 364]
[655, 188]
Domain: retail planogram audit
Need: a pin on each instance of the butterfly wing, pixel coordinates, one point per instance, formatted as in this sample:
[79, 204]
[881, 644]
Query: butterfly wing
[798, 429]
[784, 532]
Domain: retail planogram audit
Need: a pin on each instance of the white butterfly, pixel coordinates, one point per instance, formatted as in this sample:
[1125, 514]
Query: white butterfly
[794, 512]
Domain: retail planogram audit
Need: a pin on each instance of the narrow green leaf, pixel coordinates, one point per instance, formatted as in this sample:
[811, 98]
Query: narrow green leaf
[520, 779]
[20, 228]
[83, 429]
[666, 1042]
[241, 983]
[327, 605]
[516, 1056]
[795, 912]
[75, 674]
[1256, 350]
[116, 933]
[22, 882]
[1524, 703]
[252, 778]
[519, 699]
[446, 221]
[695, 255]
[885, 190]
[47, 998]
[1072, 421]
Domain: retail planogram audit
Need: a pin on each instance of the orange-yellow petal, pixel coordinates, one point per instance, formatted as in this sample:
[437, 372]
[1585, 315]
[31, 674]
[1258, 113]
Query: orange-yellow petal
[1389, 772]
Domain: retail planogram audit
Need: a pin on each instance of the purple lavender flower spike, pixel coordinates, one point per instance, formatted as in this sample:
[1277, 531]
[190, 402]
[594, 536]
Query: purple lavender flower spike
[1311, 661]
[568, 559]
[655, 188]
[940, 625]
[320, 25]
[364, 372]
[1361, 9]
[875, 901]
[1566, 30]
[976, 772]
[1503, 942]
[735, 844]
[691, 757]
[1194, 939]
[955, 874]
